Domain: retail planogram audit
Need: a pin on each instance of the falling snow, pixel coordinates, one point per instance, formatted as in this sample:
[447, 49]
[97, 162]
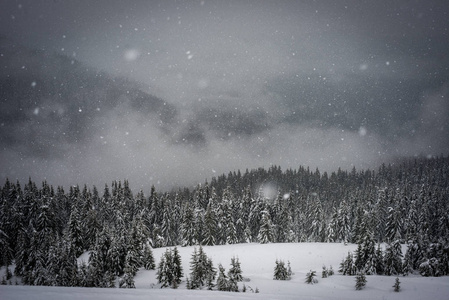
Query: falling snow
[186, 91]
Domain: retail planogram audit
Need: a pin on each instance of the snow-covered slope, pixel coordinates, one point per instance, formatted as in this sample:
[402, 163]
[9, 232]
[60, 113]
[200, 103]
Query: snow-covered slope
[257, 263]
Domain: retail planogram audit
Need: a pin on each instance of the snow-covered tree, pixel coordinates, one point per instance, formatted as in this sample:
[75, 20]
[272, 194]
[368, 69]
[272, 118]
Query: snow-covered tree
[393, 259]
[310, 277]
[347, 266]
[201, 269]
[235, 272]
[393, 230]
[325, 272]
[148, 258]
[188, 226]
[360, 280]
[222, 280]
[280, 271]
[210, 227]
[397, 285]
[169, 271]
[266, 229]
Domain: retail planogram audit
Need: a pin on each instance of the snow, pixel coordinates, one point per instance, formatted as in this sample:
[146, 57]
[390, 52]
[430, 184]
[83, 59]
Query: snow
[257, 263]
[131, 55]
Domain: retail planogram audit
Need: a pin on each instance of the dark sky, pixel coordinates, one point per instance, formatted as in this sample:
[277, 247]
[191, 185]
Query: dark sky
[221, 86]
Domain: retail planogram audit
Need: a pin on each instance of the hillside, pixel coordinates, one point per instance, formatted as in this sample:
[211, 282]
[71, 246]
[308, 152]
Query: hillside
[257, 263]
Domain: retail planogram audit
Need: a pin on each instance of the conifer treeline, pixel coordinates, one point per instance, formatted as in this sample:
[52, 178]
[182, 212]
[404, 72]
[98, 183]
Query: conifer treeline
[43, 230]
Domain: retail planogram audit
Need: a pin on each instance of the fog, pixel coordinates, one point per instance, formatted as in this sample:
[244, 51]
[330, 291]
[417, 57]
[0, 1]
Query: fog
[223, 85]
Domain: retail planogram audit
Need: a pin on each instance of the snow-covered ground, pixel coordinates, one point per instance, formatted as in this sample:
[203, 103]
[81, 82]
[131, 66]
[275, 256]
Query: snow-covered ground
[257, 263]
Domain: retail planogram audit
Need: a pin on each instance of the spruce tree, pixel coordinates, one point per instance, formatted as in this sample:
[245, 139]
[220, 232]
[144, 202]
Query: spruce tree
[289, 270]
[177, 266]
[127, 281]
[330, 271]
[280, 271]
[161, 274]
[75, 232]
[188, 227]
[148, 258]
[201, 269]
[131, 263]
[211, 274]
[310, 277]
[397, 285]
[379, 262]
[210, 227]
[367, 254]
[235, 272]
[347, 266]
[393, 259]
[325, 272]
[169, 271]
[222, 280]
[360, 280]
[266, 229]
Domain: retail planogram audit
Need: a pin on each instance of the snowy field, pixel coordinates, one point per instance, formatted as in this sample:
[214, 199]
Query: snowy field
[257, 263]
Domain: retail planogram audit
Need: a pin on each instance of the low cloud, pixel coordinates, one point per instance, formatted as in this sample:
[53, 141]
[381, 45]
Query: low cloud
[172, 94]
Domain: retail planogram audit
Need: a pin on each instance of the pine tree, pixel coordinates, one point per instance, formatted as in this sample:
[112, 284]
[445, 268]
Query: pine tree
[132, 262]
[177, 266]
[379, 263]
[127, 281]
[211, 274]
[310, 277]
[167, 228]
[393, 259]
[222, 280]
[148, 258]
[235, 272]
[366, 258]
[344, 223]
[280, 271]
[199, 224]
[325, 272]
[330, 271]
[347, 266]
[75, 232]
[396, 285]
[188, 227]
[253, 226]
[116, 254]
[266, 229]
[161, 274]
[317, 226]
[210, 227]
[407, 266]
[201, 269]
[289, 270]
[393, 225]
[360, 280]
[232, 284]
[169, 271]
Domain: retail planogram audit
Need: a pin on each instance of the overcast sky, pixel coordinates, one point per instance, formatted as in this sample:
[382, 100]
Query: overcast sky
[324, 84]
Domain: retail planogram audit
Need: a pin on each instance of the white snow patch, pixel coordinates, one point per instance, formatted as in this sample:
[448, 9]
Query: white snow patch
[257, 263]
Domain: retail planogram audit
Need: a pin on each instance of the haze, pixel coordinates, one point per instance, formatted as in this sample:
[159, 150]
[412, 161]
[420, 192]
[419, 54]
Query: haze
[250, 84]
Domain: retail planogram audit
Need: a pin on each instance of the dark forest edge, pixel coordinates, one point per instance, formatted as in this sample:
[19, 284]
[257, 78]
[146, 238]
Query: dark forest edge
[44, 230]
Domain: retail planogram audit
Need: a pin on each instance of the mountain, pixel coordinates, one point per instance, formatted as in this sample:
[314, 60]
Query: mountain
[50, 102]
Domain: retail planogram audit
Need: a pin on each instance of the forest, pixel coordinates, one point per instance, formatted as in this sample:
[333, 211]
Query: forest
[43, 229]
